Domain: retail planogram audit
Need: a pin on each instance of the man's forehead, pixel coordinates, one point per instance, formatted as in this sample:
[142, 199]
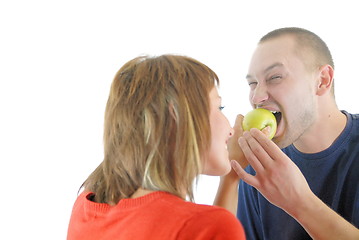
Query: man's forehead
[272, 53]
[266, 69]
[280, 44]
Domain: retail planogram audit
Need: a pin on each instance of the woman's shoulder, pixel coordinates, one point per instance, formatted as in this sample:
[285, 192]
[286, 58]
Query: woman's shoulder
[212, 221]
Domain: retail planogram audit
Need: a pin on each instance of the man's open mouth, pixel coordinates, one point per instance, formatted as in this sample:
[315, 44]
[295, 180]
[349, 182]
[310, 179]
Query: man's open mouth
[278, 116]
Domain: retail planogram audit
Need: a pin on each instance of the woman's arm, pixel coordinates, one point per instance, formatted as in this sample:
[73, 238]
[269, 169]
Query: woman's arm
[227, 193]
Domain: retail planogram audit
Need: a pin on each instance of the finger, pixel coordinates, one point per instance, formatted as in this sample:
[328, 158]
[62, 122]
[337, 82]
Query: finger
[266, 131]
[258, 149]
[248, 153]
[239, 120]
[269, 146]
[235, 152]
[246, 177]
[238, 130]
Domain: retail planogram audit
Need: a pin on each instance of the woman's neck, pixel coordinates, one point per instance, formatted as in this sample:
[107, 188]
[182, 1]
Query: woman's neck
[141, 192]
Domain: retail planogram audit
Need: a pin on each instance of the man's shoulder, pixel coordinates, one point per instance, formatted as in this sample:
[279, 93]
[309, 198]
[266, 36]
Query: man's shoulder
[353, 121]
[349, 113]
[355, 116]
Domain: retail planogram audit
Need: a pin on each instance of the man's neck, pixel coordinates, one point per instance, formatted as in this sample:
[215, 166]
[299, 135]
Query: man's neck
[323, 133]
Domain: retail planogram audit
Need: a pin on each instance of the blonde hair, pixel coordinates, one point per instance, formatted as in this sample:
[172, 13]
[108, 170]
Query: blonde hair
[156, 128]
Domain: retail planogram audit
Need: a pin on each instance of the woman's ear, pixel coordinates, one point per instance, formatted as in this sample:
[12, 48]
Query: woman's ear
[325, 79]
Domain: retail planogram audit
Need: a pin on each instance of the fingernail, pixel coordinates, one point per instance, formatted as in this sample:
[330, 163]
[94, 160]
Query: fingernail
[233, 163]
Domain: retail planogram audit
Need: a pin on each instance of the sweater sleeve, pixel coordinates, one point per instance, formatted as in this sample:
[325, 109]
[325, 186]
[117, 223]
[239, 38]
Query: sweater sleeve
[213, 224]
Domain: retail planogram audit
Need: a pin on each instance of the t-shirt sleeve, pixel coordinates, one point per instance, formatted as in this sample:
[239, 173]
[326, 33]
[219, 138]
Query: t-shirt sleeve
[213, 224]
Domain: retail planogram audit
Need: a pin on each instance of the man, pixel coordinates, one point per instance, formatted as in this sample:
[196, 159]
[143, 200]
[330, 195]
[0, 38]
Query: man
[311, 191]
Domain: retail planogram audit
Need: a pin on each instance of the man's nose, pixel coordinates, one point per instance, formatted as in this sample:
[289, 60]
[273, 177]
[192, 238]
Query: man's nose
[259, 95]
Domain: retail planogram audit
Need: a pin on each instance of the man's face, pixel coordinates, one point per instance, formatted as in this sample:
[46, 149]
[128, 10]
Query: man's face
[279, 81]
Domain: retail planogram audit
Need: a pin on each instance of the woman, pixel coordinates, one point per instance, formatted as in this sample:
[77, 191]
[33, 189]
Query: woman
[163, 127]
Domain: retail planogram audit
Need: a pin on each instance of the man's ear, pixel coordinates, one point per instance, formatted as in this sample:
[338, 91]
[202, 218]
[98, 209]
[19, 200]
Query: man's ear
[325, 79]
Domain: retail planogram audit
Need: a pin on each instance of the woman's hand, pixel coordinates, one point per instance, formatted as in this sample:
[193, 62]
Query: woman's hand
[234, 150]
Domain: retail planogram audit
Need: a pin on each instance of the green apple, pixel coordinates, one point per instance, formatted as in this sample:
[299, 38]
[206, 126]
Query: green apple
[260, 118]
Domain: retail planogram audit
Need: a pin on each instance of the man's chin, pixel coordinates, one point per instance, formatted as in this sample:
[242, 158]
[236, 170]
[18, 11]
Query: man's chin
[281, 142]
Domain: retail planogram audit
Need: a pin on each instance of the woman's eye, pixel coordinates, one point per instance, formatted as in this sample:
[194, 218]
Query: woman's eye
[221, 108]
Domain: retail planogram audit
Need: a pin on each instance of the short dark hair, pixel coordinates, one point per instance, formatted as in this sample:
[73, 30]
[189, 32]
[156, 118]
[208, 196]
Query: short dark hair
[305, 39]
[309, 41]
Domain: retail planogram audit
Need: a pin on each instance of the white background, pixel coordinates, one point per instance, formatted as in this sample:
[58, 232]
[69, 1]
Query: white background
[57, 61]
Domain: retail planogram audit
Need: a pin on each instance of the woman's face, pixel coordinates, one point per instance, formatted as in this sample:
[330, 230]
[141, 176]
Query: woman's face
[217, 162]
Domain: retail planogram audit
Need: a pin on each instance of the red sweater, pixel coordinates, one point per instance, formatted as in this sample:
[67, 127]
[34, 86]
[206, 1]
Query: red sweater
[157, 215]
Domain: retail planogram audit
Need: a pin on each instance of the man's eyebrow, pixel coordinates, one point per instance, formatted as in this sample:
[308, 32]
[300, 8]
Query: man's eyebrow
[278, 64]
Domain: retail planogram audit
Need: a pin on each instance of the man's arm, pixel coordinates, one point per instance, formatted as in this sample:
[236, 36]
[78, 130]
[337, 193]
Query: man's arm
[281, 182]
[321, 222]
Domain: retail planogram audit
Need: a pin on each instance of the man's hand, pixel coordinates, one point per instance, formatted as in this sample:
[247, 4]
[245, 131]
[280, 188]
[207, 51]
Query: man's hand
[277, 177]
[281, 182]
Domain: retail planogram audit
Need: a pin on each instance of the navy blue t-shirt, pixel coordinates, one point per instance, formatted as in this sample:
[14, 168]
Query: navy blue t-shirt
[333, 175]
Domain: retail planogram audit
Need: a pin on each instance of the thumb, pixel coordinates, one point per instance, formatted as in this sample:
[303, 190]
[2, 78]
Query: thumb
[237, 168]
[246, 177]
[238, 122]
[266, 130]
